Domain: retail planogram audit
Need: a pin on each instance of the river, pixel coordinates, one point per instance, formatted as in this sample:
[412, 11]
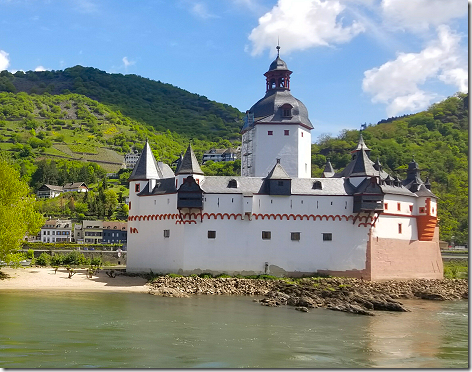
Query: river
[128, 330]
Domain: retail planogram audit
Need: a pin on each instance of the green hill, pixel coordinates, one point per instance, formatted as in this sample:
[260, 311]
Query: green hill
[162, 106]
[437, 139]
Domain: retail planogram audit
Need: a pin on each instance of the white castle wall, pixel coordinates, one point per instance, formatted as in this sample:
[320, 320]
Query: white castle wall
[238, 246]
[291, 149]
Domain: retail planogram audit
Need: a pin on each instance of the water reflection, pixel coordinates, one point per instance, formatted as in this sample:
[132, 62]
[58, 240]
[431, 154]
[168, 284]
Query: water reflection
[137, 330]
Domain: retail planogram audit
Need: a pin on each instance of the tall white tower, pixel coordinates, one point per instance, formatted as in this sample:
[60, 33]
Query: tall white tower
[277, 127]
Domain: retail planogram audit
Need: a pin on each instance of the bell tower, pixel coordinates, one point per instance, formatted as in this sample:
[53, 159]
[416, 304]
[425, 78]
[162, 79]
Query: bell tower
[277, 127]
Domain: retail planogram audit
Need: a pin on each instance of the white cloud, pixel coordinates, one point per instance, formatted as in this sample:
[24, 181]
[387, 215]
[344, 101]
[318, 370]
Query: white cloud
[397, 83]
[417, 15]
[40, 68]
[302, 24]
[127, 62]
[4, 60]
[85, 6]
[201, 11]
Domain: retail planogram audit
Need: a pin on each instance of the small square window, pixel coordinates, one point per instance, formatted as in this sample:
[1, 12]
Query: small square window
[270, 132]
[211, 234]
[286, 132]
[266, 235]
[166, 233]
[327, 237]
[295, 236]
[137, 187]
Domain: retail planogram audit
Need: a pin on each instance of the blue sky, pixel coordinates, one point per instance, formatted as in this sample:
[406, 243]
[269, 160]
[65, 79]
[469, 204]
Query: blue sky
[353, 61]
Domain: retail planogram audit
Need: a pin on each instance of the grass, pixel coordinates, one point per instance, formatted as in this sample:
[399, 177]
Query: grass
[456, 269]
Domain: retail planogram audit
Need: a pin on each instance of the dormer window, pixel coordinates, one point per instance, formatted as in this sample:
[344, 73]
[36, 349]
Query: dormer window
[317, 185]
[287, 110]
[233, 184]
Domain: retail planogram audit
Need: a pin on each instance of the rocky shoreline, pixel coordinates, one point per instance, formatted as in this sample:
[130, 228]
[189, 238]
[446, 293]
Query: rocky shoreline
[340, 294]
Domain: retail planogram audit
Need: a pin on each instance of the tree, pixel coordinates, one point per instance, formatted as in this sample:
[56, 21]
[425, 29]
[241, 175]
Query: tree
[17, 211]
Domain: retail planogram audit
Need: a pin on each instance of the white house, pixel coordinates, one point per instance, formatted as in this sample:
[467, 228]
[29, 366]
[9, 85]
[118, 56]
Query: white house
[275, 218]
[55, 231]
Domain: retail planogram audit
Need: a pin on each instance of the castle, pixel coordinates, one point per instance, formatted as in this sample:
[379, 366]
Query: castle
[276, 219]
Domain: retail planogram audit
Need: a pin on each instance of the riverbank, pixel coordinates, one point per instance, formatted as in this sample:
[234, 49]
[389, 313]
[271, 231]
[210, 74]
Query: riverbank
[46, 278]
[340, 294]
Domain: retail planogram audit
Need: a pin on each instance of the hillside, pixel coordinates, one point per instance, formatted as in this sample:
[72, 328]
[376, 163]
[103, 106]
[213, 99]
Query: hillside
[437, 139]
[75, 127]
[162, 106]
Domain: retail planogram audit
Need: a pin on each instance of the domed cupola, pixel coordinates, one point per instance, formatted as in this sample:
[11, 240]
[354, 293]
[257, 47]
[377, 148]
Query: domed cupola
[278, 76]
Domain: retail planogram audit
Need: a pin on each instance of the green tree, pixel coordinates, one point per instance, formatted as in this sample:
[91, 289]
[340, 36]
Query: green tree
[17, 211]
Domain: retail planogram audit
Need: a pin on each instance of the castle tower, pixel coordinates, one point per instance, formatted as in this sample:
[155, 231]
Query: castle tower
[277, 127]
[145, 172]
[188, 166]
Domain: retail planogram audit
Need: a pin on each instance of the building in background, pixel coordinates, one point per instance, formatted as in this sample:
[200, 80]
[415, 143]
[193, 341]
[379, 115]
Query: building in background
[217, 155]
[57, 231]
[115, 232]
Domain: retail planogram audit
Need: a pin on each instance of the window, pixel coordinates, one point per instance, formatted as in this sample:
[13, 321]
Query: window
[129, 206]
[399, 207]
[266, 235]
[295, 236]
[411, 208]
[166, 233]
[287, 113]
[302, 134]
[137, 187]
[386, 206]
[327, 237]
[53, 232]
[399, 228]
[422, 210]
[286, 132]
[233, 184]
[211, 234]
[317, 185]
[270, 132]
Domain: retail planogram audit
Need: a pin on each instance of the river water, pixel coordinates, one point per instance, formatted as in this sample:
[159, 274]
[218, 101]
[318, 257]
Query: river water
[129, 330]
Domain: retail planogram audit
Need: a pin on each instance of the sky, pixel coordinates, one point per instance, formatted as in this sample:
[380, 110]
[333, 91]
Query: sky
[353, 61]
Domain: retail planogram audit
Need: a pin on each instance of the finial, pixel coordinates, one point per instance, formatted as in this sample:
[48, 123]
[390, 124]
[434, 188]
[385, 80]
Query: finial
[278, 160]
[278, 47]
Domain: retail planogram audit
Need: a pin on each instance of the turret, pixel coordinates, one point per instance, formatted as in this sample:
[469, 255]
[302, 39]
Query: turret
[188, 167]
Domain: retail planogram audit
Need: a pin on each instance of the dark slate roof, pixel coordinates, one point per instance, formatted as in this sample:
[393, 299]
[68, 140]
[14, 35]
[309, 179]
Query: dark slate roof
[360, 166]
[146, 166]
[256, 185]
[269, 109]
[328, 170]
[164, 170]
[189, 163]
[423, 191]
[361, 145]
[278, 64]
[278, 173]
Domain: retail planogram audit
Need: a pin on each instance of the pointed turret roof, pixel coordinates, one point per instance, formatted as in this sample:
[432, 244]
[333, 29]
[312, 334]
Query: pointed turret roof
[328, 169]
[189, 163]
[278, 172]
[146, 167]
[361, 145]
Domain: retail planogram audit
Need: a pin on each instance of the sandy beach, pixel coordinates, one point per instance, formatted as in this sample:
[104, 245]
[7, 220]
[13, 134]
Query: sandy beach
[36, 278]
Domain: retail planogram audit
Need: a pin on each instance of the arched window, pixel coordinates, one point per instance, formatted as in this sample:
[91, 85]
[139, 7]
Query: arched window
[286, 110]
[317, 185]
[233, 184]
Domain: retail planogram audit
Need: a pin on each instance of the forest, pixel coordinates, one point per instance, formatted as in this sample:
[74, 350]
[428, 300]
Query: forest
[76, 125]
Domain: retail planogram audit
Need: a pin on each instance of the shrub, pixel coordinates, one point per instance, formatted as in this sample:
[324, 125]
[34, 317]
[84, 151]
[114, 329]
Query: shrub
[96, 261]
[43, 259]
[57, 260]
[30, 254]
[174, 275]
[206, 275]
[76, 258]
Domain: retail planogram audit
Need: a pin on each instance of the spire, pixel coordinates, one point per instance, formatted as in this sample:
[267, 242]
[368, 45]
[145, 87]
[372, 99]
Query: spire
[328, 169]
[189, 163]
[146, 167]
[360, 145]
